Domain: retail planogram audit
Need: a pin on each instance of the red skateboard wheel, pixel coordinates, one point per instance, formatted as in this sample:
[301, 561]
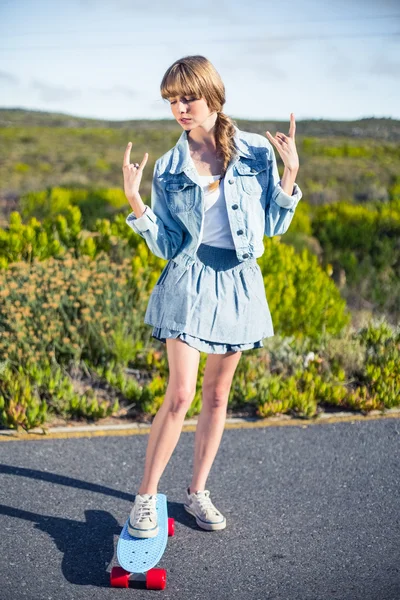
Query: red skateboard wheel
[171, 526]
[119, 577]
[156, 579]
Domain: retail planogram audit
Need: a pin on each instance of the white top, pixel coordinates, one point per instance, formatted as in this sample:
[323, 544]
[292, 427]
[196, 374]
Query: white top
[217, 231]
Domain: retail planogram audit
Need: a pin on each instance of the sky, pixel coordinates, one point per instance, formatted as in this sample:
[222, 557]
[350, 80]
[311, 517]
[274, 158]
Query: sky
[90, 58]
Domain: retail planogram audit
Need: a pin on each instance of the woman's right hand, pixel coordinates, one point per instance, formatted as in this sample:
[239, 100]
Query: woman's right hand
[132, 173]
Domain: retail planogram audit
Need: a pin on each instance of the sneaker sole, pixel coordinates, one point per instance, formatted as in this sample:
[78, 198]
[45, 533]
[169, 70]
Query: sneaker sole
[143, 533]
[205, 524]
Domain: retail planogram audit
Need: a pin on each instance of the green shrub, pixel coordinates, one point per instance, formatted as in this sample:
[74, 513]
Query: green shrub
[363, 241]
[303, 299]
[92, 203]
[29, 394]
[69, 296]
[71, 309]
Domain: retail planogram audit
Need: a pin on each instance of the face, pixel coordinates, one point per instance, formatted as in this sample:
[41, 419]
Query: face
[195, 110]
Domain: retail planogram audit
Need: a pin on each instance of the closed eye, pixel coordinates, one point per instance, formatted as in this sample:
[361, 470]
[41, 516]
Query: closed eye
[189, 100]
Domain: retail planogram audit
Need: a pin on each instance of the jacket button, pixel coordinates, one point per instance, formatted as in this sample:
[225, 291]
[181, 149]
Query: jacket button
[240, 231]
[235, 206]
[253, 170]
[231, 181]
[245, 255]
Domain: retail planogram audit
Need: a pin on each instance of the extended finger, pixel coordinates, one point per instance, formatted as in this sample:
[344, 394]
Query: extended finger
[271, 138]
[292, 126]
[144, 161]
[127, 155]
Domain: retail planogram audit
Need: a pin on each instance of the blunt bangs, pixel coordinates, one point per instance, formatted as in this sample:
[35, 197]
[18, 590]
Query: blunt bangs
[180, 81]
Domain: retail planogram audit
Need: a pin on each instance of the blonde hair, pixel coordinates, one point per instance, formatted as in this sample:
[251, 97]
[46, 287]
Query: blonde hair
[195, 75]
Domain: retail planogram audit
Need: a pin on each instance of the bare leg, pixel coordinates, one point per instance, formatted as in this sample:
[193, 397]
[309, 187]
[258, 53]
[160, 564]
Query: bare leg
[217, 382]
[166, 428]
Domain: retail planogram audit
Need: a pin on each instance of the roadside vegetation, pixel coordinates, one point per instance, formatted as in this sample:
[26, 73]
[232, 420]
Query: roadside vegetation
[75, 280]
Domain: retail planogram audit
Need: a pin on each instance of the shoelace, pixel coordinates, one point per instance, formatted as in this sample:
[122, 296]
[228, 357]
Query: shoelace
[145, 508]
[204, 500]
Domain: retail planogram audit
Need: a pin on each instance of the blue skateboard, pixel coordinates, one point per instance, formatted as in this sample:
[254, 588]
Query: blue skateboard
[140, 555]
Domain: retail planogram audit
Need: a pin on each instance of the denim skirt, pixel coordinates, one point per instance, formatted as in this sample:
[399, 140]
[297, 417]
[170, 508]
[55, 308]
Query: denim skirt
[217, 305]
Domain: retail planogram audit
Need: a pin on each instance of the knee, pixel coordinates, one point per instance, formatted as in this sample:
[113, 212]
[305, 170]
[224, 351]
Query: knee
[215, 398]
[179, 399]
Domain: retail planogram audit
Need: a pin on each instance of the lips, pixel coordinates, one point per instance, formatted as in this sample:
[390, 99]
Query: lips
[185, 120]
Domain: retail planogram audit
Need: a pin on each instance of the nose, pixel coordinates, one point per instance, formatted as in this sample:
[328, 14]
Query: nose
[182, 107]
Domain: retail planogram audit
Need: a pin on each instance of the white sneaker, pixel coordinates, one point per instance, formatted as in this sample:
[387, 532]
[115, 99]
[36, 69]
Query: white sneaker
[143, 516]
[200, 506]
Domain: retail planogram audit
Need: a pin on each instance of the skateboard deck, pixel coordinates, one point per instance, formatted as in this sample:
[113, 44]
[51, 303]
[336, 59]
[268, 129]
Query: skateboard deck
[140, 555]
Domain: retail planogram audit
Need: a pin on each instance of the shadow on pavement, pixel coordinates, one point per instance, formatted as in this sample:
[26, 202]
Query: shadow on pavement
[87, 546]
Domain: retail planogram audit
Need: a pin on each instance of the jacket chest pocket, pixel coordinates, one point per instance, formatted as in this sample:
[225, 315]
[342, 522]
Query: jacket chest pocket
[253, 179]
[181, 195]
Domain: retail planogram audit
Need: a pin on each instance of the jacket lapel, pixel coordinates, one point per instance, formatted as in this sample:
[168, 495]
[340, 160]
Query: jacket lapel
[182, 160]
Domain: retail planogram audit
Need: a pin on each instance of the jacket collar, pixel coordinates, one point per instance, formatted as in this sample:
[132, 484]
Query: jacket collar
[182, 161]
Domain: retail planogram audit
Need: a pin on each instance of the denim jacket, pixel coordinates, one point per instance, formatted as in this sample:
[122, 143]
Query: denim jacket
[256, 203]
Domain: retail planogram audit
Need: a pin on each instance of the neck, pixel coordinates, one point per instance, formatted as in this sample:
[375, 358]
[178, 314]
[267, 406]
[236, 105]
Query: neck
[202, 136]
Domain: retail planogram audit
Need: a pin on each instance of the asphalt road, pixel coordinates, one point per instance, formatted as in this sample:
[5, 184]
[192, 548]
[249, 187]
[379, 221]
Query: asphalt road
[312, 514]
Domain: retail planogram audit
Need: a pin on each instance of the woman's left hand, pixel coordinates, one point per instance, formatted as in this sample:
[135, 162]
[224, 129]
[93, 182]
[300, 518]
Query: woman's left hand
[286, 146]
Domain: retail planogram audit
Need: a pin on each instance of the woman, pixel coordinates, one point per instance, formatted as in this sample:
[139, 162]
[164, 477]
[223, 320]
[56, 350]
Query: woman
[210, 296]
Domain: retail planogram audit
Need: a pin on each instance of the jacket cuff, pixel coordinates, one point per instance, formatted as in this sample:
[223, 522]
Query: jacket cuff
[283, 199]
[141, 223]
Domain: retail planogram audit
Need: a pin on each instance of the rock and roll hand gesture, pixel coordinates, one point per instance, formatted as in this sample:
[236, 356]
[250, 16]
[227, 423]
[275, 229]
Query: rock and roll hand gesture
[286, 146]
[132, 173]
